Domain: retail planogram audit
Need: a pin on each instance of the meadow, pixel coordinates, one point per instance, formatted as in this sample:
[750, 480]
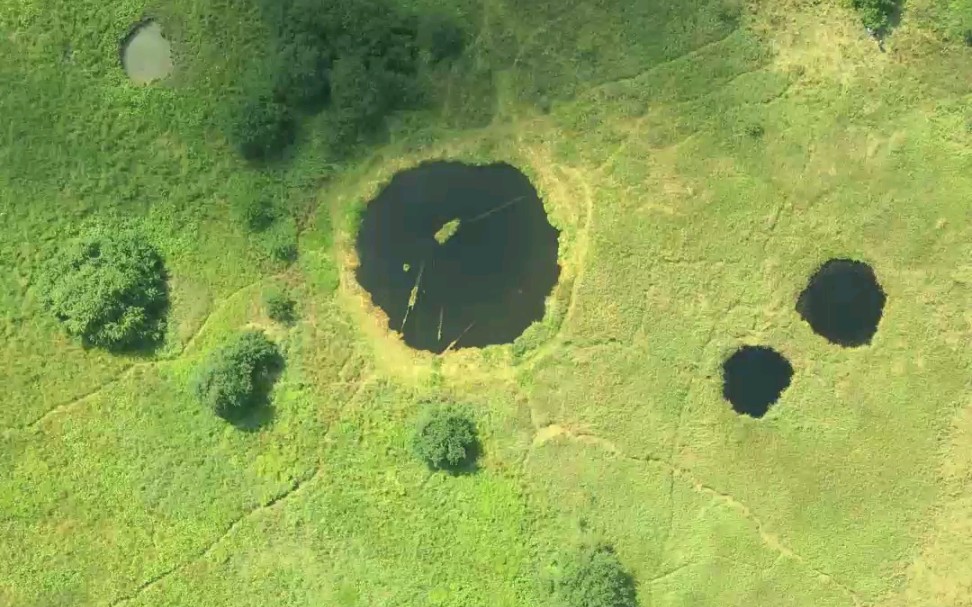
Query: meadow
[701, 158]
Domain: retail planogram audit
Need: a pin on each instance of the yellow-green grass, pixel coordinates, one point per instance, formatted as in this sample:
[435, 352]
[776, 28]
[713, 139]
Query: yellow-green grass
[685, 234]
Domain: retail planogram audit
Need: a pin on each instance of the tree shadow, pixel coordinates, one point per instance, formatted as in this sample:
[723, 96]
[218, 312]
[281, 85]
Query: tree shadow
[468, 466]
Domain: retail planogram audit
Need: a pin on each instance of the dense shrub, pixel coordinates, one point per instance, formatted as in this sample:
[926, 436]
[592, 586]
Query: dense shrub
[445, 439]
[877, 14]
[967, 37]
[237, 376]
[108, 288]
[441, 37]
[358, 59]
[303, 72]
[263, 129]
[257, 214]
[596, 578]
[280, 307]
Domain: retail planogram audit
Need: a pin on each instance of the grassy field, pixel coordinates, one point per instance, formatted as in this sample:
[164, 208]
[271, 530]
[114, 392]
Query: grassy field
[701, 157]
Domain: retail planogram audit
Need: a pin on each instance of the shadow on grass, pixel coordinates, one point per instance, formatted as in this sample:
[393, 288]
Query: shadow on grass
[468, 466]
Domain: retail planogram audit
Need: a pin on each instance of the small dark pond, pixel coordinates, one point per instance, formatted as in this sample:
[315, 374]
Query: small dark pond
[458, 255]
[843, 302]
[753, 379]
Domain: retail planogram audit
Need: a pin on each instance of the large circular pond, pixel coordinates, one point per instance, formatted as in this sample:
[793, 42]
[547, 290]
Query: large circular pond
[458, 255]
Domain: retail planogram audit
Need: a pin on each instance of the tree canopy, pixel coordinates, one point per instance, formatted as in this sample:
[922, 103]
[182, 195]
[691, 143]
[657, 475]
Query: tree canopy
[445, 439]
[595, 577]
[237, 376]
[108, 288]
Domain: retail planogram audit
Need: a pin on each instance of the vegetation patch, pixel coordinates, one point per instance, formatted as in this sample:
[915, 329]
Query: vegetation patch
[445, 439]
[280, 306]
[878, 15]
[357, 60]
[108, 287]
[595, 577]
[237, 377]
[264, 129]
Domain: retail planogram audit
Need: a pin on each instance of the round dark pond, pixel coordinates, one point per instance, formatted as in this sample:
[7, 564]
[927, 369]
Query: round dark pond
[458, 255]
[753, 379]
[843, 302]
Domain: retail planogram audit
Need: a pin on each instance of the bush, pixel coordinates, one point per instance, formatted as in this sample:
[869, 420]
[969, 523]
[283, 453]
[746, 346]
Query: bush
[263, 129]
[359, 59]
[445, 439]
[596, 578]
[967, 37]
[877, 14]
[754, 130]
[237, 376]
[108, 288]
[257, 214]
[303, 72]
[280, 307]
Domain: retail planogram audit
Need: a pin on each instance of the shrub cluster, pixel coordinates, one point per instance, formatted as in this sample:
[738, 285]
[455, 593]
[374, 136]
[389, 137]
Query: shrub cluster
[445, 439]
[236, 376]
[357, 59]
[877, 14]
[108, 288]
[596, 578]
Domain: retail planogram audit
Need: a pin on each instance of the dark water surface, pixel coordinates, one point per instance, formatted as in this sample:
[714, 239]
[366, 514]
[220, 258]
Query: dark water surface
[753, 379]
[843, 302]
[472, 283]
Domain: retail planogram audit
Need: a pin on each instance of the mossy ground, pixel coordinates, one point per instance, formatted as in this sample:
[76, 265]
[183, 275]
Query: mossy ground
[701, 157]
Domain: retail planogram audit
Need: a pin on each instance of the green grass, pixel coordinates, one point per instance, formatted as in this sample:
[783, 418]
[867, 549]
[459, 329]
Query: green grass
[683, 236]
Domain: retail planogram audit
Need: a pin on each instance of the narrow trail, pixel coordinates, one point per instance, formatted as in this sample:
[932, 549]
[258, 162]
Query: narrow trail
[296, 486]
[771, 540]
[60, 408]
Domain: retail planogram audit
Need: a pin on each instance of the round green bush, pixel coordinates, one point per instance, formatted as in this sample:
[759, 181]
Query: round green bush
[596, 578]
[236, 376]
[264, 128]
[280, 307]
[445, 439]
[108, 288]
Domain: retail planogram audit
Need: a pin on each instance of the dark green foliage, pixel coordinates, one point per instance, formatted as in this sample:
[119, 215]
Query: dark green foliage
[361, 102]
[264, 128]
[108, 288]
[237, 376]
[877, 15]
[755, 130]
[280, 307]
[445, 439]
[967, 37]
[303, 72]
[258, 214]
[441, 37]
[596, 578]
[357, 59]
